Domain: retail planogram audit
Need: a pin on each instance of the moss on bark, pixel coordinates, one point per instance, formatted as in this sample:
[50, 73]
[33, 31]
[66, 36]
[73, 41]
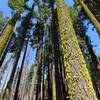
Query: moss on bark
[78, 79]
[8, 30]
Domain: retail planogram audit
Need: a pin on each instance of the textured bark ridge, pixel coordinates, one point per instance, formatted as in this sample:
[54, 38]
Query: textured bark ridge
[78, 80]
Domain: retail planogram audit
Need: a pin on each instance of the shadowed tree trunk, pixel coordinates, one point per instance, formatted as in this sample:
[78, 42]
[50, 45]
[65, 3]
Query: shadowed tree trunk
[91, 52]
[95, 71]
[61, 67]
[42, 82]
[57, 74]
[20, 73]
[49, 60]
[39, 80]
[49, 81]
[78, 80]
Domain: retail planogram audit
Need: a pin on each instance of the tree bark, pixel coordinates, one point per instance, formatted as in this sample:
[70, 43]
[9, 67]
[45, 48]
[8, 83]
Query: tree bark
[42, 81]
[5, 50]
[57, 74]
[78, 80]
[49, 81]
[8, 30]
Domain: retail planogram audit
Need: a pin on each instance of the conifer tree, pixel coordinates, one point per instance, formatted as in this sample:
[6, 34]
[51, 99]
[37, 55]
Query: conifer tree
[17, 5]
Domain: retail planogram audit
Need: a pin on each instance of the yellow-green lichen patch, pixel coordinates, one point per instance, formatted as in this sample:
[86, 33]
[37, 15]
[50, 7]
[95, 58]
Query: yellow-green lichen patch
[7, 32]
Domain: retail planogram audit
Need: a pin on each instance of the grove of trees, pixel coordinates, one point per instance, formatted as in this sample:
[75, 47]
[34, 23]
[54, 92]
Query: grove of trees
[46, 53]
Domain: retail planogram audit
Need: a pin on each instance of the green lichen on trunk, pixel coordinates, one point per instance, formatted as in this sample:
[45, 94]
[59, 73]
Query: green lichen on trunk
[90, 15]
[7, 32]
[54, 89]
[78, 80]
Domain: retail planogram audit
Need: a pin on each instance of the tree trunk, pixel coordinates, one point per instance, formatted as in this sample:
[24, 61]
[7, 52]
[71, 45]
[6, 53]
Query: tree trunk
[54, 90]
[95, 71]
[90, 15]
[57, 74]
[94, 6]
[5, 50]
[49, 81]
[8, 30]
[59, 55]
[49, 59]
[78, 80]
[20, 73]
[33, 89]
[9, 83]
[36, 79]
[42, 81]
[2, 30]
[39, 80]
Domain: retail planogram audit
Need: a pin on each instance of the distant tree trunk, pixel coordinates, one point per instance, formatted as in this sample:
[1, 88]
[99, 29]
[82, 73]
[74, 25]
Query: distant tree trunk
[95, 71]
[54, 35]
[53, 83]
[91, 52]
[90, 15]
[78, 80]
[42, 83]
[36, 78]
[24, 83]
[20, 73]
[43, 62]
[9, 83]
[1, 92]
[39, 80]
[33, 88]
[50, 68]
[61, 67]
[8, 30]
[49, 81]
[32, 91]
[49, 59]
[26, 26]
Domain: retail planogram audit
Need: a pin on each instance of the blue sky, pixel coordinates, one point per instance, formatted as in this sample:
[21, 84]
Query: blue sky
[4, 7]
[93, 34]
